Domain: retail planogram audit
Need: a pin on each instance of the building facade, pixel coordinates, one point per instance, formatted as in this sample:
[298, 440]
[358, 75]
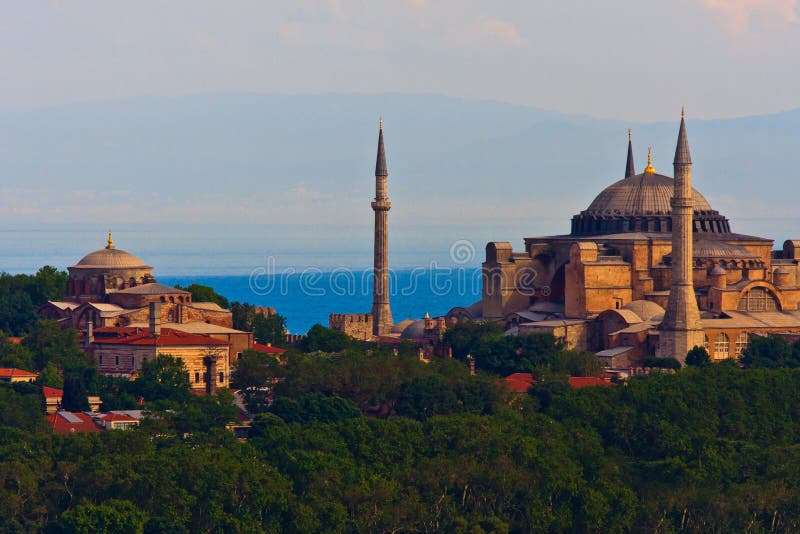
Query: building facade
[649, 268]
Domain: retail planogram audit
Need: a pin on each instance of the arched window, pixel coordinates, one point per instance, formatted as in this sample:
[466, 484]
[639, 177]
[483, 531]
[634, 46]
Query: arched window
[705, 342]
[742, 340]
[722, 346]
[758, 299]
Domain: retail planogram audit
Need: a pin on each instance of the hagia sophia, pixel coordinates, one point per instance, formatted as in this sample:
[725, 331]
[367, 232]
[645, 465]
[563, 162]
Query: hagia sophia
[649, 269]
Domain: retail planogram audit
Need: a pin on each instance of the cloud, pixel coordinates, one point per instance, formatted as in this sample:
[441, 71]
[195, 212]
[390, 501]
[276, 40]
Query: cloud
[483, 31]
[738, 16]
[501, 31]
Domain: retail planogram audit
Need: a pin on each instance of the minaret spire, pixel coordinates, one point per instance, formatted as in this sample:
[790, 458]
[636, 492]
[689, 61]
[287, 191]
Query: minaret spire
[630, 170]
[381, 312]
[681, 329]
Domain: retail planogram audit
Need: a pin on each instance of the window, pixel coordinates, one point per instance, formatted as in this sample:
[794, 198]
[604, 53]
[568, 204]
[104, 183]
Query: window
[116, 361]
[742, 340]
[722, 346]
[705, 342]
[758, 299]
[101, 359]
[221, 378]
[196, 378]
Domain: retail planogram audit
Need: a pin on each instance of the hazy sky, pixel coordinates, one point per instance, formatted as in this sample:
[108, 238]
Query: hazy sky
[627, 59]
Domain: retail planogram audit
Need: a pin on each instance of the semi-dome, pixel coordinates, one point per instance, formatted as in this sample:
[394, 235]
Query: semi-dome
[110, 257]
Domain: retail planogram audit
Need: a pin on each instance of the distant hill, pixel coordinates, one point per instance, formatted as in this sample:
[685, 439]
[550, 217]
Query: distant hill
[487, 169]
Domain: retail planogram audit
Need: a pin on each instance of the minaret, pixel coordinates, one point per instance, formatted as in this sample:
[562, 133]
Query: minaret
[681, 329]
[381, 312]
[630, 170]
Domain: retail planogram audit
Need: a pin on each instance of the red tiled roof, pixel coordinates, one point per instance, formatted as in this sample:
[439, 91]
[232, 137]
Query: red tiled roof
[578, 382]
[15, 340]
[52, 393]
[168, 337]
[61, 425]
[260, 347]
[116, 417]
[13, 372]
[519, 382]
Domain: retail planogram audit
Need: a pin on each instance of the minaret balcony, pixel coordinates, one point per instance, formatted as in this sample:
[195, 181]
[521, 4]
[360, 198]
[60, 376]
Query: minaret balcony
[381, 205]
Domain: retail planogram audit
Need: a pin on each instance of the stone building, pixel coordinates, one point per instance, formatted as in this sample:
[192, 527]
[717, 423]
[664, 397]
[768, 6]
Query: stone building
[647, 245]
[120, 351]
[111, 288]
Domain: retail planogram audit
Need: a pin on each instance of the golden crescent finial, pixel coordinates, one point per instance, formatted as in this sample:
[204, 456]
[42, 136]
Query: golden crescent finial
[649, 169]
[380, 123]
[629, 134]
[683, 113]
[110, 240]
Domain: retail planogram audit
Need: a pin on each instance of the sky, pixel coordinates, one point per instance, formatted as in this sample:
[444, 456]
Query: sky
[631, 60]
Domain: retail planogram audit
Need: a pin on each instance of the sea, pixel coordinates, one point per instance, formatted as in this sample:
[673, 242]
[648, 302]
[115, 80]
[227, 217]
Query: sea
[304, 273]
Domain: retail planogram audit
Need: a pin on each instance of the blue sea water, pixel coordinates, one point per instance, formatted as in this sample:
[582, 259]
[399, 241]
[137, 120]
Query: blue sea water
[306, 297]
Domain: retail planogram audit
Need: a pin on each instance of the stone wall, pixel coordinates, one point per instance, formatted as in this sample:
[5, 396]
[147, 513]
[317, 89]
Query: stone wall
[356, 325]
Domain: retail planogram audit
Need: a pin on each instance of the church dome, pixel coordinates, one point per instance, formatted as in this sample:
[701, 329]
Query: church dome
[110, 258]
[642, 194]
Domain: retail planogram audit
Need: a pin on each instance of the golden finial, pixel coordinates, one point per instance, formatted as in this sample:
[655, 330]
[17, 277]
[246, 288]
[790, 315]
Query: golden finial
[649, 169]
[629, 134]
[380, 123]
[683, 114]
[110, 241]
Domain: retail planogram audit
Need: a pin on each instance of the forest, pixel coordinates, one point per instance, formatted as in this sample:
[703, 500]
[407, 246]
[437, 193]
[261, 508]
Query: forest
[351, 437]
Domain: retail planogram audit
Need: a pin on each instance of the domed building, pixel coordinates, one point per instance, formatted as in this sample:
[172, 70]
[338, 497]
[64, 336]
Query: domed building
[114, 288]
[104, 271]
[605, 286]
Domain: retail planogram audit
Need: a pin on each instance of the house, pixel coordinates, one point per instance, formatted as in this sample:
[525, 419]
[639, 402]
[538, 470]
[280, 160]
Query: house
[12, 374]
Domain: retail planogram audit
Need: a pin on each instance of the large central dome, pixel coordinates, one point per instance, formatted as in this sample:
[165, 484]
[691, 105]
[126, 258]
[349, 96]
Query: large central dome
[643, 194]
[640, 203]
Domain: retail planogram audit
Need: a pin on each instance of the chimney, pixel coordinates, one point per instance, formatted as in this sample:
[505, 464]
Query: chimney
[155, 319]
[471, 363]
[90, 332]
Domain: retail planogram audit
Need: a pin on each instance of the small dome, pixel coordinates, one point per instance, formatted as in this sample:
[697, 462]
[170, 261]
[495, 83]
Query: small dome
[402, 325]
[415, 330]
[781, 270]
[645, 309]
[718, 270]
[643, 194]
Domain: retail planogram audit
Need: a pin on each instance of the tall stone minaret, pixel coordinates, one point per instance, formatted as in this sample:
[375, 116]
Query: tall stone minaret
[381, 312]
[681, 329]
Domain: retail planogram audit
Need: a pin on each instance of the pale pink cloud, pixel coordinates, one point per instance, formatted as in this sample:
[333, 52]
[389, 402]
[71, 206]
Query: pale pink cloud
[501, 31]
[483, 31]
[738, 15]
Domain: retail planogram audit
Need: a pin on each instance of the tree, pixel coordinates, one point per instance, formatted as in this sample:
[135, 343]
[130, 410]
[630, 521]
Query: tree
[75, 397]
[51, 343]
[269, 329]
[464, 336]
[111, 517]
[201, 293]
[324, 339]
[254, 375]
[164, 378]
[698, 357]
[770, 352]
